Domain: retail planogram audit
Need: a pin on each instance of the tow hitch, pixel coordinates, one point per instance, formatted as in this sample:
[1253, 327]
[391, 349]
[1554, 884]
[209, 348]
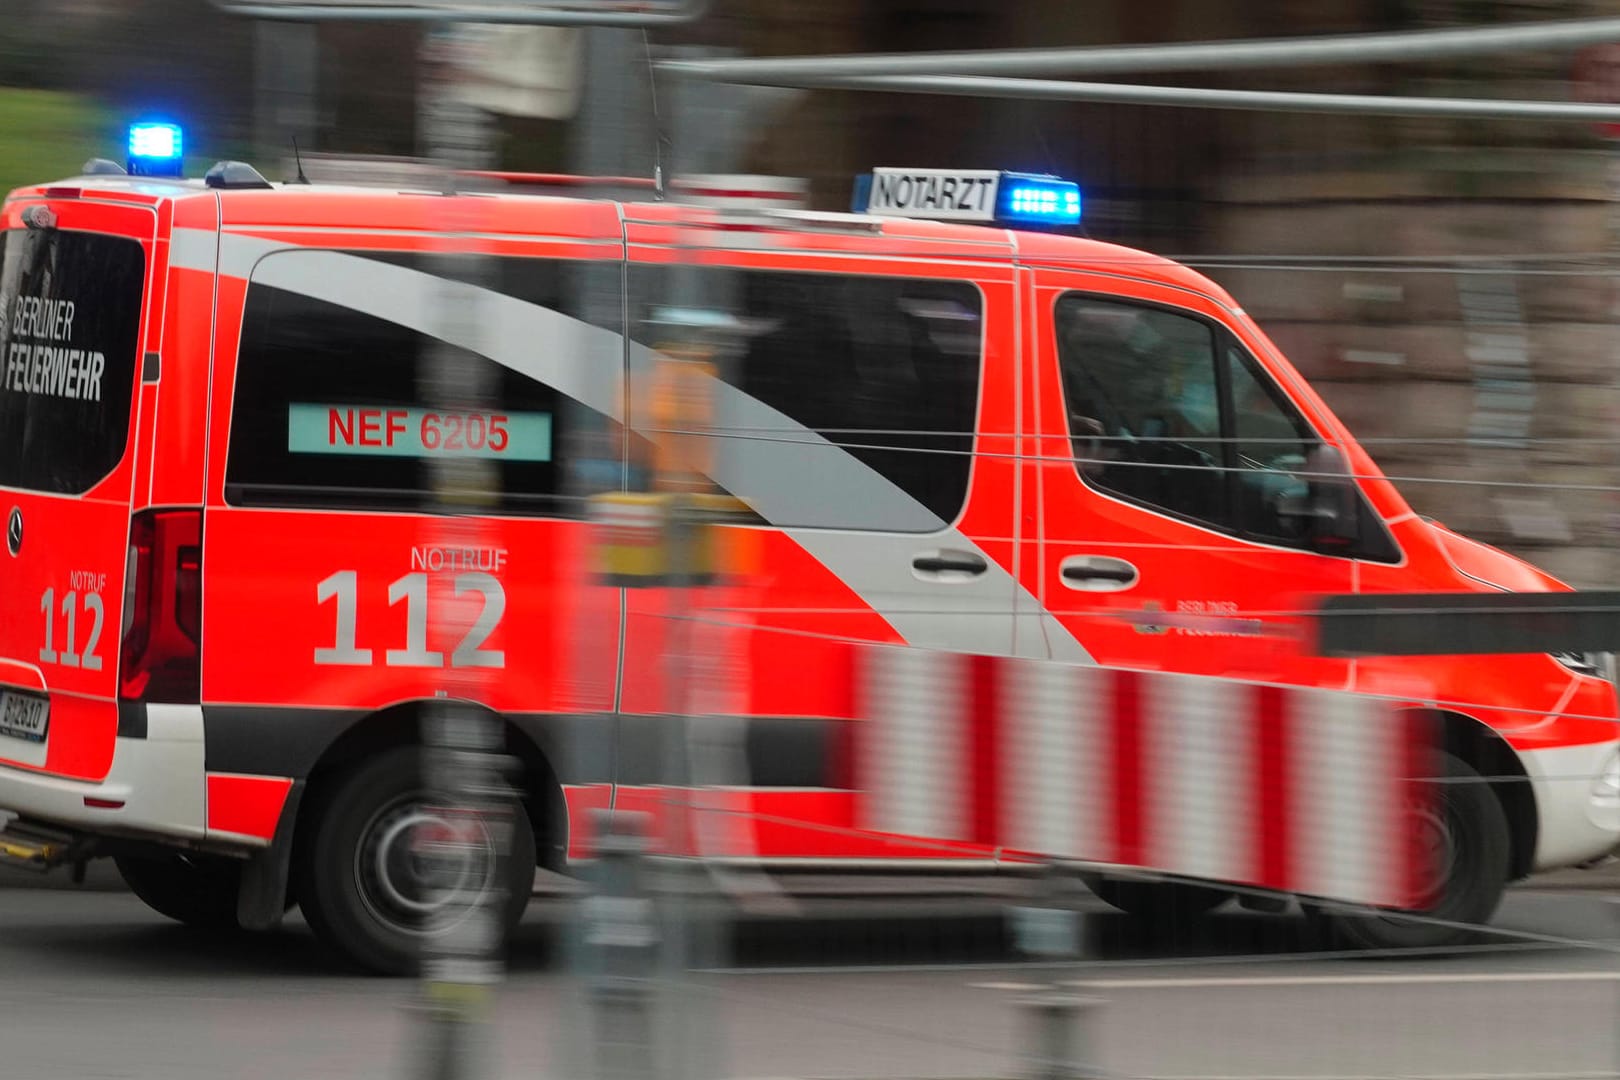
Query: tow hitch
[33, 847]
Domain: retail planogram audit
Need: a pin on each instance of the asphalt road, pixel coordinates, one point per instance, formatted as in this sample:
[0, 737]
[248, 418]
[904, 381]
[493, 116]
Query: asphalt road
[94, 986]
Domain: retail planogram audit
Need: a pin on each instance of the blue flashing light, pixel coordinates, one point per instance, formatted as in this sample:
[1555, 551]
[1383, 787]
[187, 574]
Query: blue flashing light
[155, 149]
[1038, 200]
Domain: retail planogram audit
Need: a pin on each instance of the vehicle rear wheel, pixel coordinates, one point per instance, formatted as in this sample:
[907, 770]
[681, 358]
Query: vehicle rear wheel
[1465, 833]
[1156, 901]
[361, 878]
[198, 890]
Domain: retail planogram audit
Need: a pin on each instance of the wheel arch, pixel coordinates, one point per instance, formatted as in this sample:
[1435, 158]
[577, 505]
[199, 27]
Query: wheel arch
[1487, 753]
[400, 725]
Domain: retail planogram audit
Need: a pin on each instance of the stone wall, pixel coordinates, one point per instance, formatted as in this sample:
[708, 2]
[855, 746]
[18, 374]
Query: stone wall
[1448, 287]
[1471, 342]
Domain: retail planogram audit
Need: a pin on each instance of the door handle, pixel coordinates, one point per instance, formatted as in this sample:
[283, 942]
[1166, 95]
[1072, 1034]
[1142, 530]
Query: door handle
[1097, 573]
[947, 564]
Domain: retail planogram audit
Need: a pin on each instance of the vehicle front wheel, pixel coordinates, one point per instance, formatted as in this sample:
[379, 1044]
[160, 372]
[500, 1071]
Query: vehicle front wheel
[198, 890]
[1465, 841]
[363, 881]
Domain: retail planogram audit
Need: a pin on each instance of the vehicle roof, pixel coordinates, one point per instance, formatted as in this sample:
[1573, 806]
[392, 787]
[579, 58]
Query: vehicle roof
[335, 207]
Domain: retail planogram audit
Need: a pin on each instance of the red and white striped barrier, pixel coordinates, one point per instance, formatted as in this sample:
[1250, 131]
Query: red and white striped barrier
[1303, 791]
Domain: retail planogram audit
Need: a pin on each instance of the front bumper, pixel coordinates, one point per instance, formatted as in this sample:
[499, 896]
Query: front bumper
[1578, 821]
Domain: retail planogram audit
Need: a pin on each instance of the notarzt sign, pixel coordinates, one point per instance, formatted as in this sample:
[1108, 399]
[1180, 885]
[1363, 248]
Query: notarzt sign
[951, 194]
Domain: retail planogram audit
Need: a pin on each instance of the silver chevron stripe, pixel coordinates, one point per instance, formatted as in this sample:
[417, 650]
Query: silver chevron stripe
[791, 476]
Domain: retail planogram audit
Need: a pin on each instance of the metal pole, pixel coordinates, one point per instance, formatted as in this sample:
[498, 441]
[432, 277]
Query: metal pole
[621, 937]
[1057, 1036]
[614, 134]
[462, 743]
[1059, 1039]
[1046, 926]
[1203, 98]
[284, 67]
[1408, 45]
[462, 960]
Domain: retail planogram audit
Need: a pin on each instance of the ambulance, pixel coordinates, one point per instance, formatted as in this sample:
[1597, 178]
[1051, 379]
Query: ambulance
[952, 423]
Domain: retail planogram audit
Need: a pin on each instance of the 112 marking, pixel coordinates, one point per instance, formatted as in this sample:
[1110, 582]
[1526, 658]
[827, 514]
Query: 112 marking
[343, 588]
[70, 608]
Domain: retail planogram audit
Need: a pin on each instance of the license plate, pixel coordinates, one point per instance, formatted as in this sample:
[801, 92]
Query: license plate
[23, 716]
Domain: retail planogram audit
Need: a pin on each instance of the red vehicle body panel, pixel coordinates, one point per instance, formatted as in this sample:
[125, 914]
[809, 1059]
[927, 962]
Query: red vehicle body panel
[577, 648]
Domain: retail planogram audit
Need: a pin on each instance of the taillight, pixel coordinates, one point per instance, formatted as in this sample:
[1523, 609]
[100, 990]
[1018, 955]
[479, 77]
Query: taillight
[161, 658]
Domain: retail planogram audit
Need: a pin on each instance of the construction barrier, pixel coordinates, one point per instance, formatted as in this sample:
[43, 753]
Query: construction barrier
[1304, 791]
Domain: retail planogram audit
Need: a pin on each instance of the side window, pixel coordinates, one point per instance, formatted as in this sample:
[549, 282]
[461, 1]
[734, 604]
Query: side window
[330, 409]
[1168, 411]
[1143, 397]
[1271, 442]
[848, 402]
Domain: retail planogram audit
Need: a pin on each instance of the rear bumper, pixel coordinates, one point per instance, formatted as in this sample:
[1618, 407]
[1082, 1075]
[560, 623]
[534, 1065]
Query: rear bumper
[155, 788]
[1578, 821]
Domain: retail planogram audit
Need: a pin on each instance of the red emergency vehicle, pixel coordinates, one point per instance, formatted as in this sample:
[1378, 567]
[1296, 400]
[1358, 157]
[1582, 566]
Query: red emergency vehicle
[222, 596]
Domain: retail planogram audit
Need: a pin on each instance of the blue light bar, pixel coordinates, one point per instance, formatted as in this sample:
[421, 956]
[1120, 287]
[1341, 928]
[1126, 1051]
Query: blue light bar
[155, 149]
[1037, 200]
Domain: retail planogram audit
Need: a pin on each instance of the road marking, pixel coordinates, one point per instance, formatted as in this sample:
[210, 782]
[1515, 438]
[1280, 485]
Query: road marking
[1389, 1076]
[1413, 978]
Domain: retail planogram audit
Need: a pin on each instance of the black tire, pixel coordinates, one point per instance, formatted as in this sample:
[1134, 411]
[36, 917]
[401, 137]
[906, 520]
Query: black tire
[198, 890]
[374, 918]
[1156, 901]
[1475, 849]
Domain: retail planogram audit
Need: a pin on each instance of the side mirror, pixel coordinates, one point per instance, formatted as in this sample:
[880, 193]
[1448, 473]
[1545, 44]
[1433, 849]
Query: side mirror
[1326, 513]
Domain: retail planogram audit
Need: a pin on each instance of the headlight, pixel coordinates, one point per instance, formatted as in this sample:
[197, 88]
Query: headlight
[1596, 664]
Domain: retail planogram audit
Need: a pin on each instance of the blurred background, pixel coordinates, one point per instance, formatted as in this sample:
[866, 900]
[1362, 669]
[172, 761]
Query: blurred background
[1446, 284]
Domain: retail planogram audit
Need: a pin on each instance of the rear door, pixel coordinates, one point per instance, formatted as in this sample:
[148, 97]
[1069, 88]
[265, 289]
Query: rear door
[72, 284]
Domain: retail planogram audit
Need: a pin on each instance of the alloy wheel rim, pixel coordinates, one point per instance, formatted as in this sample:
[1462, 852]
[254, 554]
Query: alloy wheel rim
[404, 885]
